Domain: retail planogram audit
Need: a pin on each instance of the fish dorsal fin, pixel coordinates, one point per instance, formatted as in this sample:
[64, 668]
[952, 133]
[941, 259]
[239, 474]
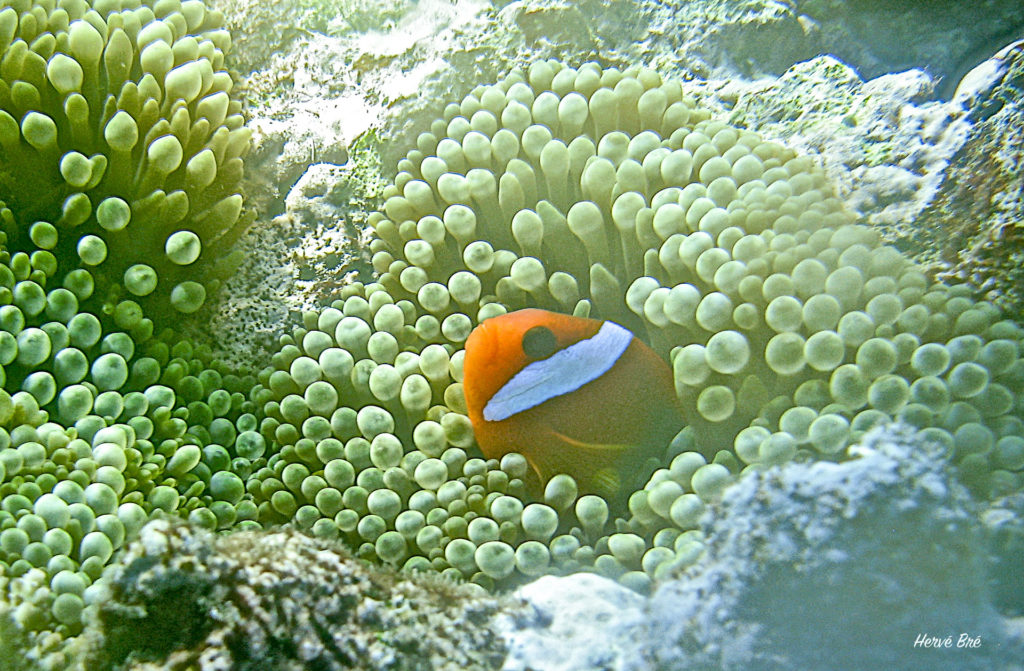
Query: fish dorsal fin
[563, 372]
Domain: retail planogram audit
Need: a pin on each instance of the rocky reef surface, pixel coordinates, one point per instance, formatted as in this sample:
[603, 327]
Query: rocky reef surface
[281, 600]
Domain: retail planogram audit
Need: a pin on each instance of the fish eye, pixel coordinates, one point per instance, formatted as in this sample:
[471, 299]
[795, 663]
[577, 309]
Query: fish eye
[539, 342]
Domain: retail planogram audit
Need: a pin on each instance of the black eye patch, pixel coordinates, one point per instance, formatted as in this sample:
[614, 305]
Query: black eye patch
[539, 342]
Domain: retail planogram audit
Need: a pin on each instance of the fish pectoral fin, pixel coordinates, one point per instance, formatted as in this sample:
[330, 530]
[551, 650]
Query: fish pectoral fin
[605, 449]
[600, 465]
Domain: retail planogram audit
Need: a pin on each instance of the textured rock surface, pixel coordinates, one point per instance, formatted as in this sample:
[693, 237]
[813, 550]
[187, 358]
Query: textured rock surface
[1004, 530]
[838, 566]
[308, 251]
[279, 601]
[880, 37]
[883, 142]
[973, 229]
[581, 623]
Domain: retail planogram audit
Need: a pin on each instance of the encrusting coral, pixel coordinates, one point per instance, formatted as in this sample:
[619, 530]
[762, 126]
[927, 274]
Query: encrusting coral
[281, 601]
[120, 145]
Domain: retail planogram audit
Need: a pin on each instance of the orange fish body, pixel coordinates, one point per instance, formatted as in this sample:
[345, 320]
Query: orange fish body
[572, 395]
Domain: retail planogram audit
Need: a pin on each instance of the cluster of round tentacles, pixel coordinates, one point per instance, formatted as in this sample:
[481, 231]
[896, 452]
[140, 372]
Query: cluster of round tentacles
[120, 113]
[791, 330]
[120, 158]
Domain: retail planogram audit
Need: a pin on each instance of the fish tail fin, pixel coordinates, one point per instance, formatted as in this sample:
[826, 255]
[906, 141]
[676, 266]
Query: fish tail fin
[607, 483]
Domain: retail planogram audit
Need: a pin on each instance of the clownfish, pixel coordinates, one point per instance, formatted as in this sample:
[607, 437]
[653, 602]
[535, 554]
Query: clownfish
[577, 396]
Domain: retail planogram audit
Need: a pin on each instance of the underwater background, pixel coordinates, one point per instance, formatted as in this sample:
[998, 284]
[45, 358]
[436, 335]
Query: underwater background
[244, 246]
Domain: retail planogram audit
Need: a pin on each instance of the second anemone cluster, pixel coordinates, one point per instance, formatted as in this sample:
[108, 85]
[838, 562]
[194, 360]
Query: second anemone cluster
[791, 331]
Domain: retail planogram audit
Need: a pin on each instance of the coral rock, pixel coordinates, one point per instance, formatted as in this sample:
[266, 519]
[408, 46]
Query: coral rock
[280, 601]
